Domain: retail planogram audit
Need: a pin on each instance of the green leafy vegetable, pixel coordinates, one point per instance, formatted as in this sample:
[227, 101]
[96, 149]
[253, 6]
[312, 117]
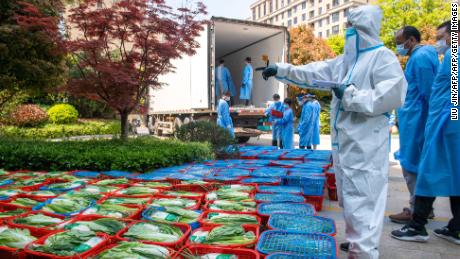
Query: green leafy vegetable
[38, 220]
[153, 231]
[67, 185]
[106, 225]
[237, 188]
[225, 218]
[113, 181]
[15, 237]
[66, 205]
[136, 201]
[41, 193]
[98, 189]
[223, 235]
[25, 202]
[153, 184]
[69, 243]
[136, 250]
[10, 213]
[174, 202]
[137, 191]
[243, 206]
[172, 214]
[228, 195]
[183, 193]
[111, 210]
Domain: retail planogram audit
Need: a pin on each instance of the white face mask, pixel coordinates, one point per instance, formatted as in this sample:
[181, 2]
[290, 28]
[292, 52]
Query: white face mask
[441, 46]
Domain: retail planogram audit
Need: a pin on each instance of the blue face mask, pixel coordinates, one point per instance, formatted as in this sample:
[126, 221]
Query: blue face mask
[401, 49]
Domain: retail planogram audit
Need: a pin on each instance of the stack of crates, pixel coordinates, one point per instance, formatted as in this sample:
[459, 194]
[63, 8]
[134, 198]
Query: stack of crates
[331, 185]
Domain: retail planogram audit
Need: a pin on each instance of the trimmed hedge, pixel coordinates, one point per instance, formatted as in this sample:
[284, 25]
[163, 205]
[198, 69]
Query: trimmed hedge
[63, 113]
[135, 155]
[90, 127]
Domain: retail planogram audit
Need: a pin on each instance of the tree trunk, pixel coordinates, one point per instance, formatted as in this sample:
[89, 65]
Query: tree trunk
[124, 125]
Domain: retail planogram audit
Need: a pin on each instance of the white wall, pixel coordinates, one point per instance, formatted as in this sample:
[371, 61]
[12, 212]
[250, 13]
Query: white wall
[262, 91]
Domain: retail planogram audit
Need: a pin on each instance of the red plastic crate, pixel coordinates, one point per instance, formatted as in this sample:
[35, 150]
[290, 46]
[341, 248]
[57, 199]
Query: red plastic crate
[195, 187]
[316, 201]
[247, 228]
[94, 253]
[206, 207]
[14, 253]
[197, 206]
[8, 205]
[204, 216]
[185, 228]
[3, 221]
[332, 192]
[203, 250]
[36, 231]
[31, 254]
[330, 179]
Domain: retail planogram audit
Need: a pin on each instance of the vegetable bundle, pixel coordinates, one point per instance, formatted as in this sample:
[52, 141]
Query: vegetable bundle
[224, 235]
[113, 181]
[237, 188]
[66, 205]
[152, 184]
[242, 206]
[125, 250]
[68, 243]
[119, 201]
[137, 191]
[10, 213]
[15, 237]
[225, 218]
[183, 193]
[228, 195]
[111, 210]
[174, 202]
[38, 220]
[106, 225]
[153, 231]
[25, 202]
[172, 214]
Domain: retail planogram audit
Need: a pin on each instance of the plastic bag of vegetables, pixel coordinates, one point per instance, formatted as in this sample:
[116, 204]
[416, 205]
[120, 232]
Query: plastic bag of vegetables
[68, 243]
[108, 226]
[232, 219]
[11, 213]
[125, 250]
[77, 194]
[64, 186]
[153, 232]
[65, 205]
[175, 202]
[15, 237]
[117, 181]
[153, 184]
[226, 235]
[228, 195]
[171, 214]
[183, 194]
[7, 193]
[111, 210]
[25, 202]
[237, 188]
[98, 189]
[242, 206]
[137, 191]
[38, 220]
[123, 200]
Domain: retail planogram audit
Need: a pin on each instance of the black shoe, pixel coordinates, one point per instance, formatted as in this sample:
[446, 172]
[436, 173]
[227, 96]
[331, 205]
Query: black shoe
[345, 246]
[407, 233]
[448, 235]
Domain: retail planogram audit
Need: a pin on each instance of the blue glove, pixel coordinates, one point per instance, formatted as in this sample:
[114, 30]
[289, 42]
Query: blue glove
[270, 71]
[339, 91]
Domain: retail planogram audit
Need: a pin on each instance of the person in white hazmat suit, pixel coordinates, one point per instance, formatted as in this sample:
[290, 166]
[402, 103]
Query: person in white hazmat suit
[371, 84]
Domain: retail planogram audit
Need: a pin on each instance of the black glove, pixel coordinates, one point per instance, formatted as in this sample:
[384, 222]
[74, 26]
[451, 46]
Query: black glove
[339, 91]
[270, 71]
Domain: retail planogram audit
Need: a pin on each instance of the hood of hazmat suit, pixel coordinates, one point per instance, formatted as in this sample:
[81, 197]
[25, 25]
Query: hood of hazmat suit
[360, 124]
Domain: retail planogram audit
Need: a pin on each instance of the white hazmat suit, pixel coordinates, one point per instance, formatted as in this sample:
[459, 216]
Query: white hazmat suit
[360, 128]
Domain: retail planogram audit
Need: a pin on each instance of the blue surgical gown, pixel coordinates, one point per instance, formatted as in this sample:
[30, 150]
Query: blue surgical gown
[224, 79]
[420, 72]
[276, 129]
[246, 87]
[309, 124]
[287, 128]
[439, 169]
[224, 119]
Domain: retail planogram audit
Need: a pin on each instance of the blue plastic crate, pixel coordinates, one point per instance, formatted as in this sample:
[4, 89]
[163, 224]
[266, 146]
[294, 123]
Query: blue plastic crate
[278, 197]
[286, 207]
[271, 155]
[281, 189]
[263, 180]
[235, 172]
[301, 244]
[312, 185]
[306, 168]
[120, 174]
[269, 172]
[257, 162]
[292, 256]
[305, 224]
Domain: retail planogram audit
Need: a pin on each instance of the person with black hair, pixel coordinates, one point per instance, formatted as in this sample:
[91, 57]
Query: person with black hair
[439, 168]
[246, 85]
[224, 81]
[421, 69]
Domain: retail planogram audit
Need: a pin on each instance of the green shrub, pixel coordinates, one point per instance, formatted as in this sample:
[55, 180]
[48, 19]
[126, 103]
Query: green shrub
[325, 117]
[28, 115]
[135, 155]
[63, 114]
[204, 131]
[87, 127]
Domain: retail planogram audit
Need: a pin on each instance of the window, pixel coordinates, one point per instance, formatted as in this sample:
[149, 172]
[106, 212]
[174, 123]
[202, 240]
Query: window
[327, 20]
[335, 17]
[282, 3]
[320, 23]
[288, 1]
[295, 20]
[320, 34]
[335, 30]
[289, 13]
[312, 13]
[264, 8]
[289, 23]
[328, 6]
[312, 25]
[335, 3]
[304, 5]
[312, 2]
[320, 11]
[271, 7]
[328, 32]
[254, 14]
[258, 11]
[345, 12]
[346, 1]
[295, 9]
[304, 17]
[282, 15]
[276, 18]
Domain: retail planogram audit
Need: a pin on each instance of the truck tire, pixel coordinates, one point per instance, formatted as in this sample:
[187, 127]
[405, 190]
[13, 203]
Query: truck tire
[242, 140]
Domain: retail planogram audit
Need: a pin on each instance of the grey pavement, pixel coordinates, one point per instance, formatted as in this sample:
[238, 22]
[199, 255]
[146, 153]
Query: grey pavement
[398, 197]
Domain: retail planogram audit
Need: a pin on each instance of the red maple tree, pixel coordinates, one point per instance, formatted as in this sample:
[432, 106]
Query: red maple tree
[121, 50]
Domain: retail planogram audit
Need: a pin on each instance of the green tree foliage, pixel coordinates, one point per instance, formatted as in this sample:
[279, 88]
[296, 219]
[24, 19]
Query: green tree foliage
[29, 58]
[423, 14]
[337, 43]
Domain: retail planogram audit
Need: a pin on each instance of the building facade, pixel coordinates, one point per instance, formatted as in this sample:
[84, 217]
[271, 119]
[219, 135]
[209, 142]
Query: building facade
[326, 17]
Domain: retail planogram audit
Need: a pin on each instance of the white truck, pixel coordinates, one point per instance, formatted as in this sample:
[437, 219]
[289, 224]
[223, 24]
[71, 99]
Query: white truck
[190, 93]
